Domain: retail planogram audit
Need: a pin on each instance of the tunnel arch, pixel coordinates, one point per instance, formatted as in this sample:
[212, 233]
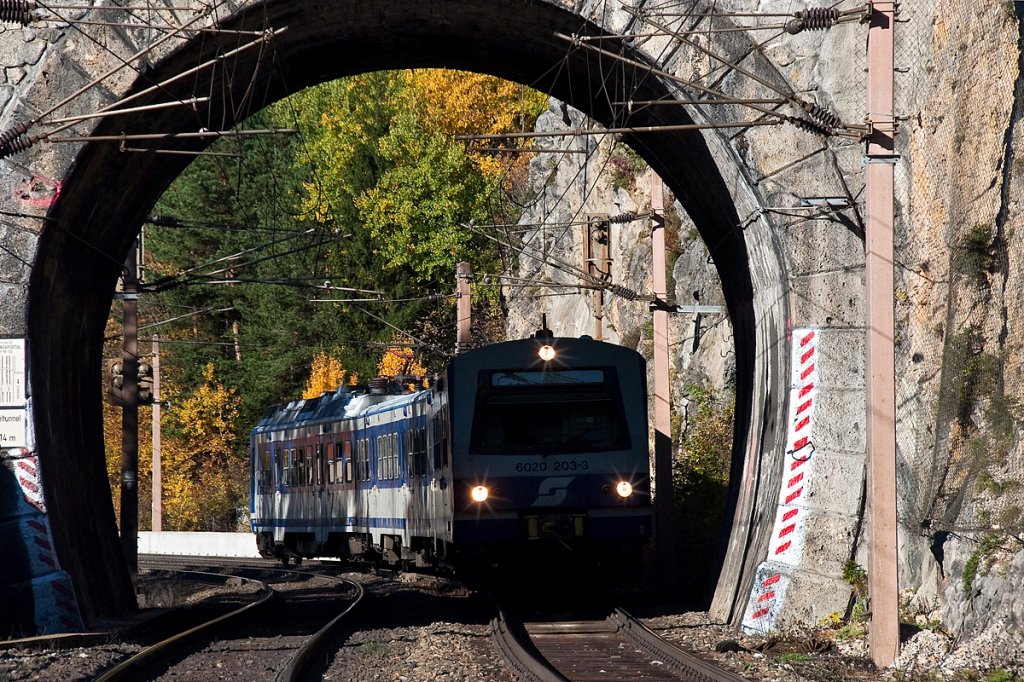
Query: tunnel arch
[106, 195]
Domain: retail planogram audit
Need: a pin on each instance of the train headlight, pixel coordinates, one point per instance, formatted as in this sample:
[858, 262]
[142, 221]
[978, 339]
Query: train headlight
[479, 493]
[546, 353]
[624, 488]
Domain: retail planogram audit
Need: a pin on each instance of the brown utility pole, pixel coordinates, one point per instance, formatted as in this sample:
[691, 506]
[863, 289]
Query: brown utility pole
[883, 585]
[158, 508]
[664, 530]
[464, 309]
[130, 417]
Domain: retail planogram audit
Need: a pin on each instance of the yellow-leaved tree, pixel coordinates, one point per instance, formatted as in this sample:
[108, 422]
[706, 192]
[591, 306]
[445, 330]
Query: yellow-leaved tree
[112, 441]
[400, 361]
[326, 374]
[204, 476]
[464, 103]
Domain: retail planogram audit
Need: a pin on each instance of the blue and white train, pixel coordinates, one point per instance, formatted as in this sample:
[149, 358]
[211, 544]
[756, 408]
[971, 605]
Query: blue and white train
[517, 444]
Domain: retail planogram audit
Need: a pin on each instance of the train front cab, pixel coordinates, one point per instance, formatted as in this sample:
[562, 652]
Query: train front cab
[550, 452]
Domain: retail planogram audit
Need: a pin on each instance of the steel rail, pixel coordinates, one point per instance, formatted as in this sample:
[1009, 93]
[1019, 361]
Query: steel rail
[300, 665]
[544, 660]
[693, 667]
[129, 670]
[528, 665]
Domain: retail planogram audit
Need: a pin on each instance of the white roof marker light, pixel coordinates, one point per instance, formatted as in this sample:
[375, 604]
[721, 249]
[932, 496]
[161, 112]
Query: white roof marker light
[545, 336]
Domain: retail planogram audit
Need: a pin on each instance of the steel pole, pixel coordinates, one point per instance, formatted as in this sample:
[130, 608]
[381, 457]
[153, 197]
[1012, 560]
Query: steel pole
[883, 584]
[130, 419]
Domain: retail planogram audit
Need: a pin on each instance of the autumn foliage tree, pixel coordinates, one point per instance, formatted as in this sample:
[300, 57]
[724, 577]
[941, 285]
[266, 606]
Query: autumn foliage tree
[400, 361]
[384, 149]
[463, 103]
[326, 374]
[144, 477]
[204, 473]
[372, 195]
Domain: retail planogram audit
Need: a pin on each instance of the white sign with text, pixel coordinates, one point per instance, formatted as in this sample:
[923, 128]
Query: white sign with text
[12, 373]
[13, 433]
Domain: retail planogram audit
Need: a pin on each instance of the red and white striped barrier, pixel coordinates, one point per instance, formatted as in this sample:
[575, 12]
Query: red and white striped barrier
[26, 470]
[787, 542]
[54, 606]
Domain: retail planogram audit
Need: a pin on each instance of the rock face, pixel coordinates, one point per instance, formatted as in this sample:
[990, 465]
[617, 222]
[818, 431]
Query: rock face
[958, 301]
[611, 182]
[959, 312]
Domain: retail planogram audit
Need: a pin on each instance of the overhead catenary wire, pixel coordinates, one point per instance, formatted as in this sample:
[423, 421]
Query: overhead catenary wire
[17, 139]
[233, 281]
[176, 152]
[589, 281]
[811, 18]
[653, 70]
[819, 120]
[155, 27]
[53, 7]
[789, 95]
[190, 102]
[163, 282]
[202, 134]
[426, 344]
[258, 346]
[411, 299]
[125, 63]
[237, 266]
[177, 223]
[629, 216]
[630, 130]
[526, 282]
[296, 282]
[636, 86]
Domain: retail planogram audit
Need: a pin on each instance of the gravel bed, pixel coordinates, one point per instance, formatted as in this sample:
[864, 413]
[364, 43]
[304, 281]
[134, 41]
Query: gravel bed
[421, 628]
[418, 627]
[261, 647]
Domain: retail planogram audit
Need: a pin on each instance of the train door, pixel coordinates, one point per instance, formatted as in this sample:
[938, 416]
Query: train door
[362, 482]
[254, 485]
[411, 445]
[278, 502]
[372, 495]
[262, 479]
[347, 481]
[403, 492]
[320, 499]
[440, 457]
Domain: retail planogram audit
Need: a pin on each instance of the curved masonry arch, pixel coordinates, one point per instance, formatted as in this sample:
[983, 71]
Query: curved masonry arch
[71, 212]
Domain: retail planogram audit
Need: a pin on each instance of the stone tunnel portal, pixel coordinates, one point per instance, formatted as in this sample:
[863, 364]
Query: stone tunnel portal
[106, 196]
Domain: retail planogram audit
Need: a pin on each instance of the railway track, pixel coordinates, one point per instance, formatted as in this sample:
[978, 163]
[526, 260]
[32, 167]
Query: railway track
[617, 647]
[282, 633]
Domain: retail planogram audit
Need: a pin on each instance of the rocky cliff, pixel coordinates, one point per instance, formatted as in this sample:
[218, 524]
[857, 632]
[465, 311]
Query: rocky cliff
[959, 297]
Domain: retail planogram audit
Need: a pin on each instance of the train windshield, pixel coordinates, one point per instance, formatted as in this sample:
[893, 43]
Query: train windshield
[551, 412]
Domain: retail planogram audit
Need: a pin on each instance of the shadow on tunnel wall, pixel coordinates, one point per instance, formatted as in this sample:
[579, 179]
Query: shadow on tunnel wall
[17, 617]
